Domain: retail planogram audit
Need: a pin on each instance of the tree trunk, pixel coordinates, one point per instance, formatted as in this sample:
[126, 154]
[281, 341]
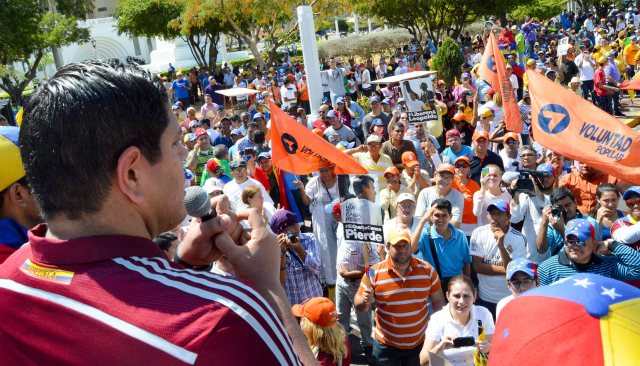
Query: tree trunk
[253, 46]
[213, 51]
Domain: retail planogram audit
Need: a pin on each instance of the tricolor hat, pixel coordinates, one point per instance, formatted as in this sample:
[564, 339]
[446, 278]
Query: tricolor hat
[11, 169]
[582, 320]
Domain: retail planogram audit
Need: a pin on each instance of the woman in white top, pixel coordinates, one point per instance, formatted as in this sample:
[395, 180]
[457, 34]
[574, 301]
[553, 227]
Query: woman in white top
[459, 318]
[490, 190]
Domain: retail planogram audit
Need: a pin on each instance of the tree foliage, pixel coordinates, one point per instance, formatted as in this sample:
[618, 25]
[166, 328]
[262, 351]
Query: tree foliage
[433, 18]
[448, 61]
[28, 31]
[365, 46]
[543, 9]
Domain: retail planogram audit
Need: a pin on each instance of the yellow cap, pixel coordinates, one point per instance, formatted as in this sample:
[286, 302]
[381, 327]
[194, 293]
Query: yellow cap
[602, 60]
[11, 169]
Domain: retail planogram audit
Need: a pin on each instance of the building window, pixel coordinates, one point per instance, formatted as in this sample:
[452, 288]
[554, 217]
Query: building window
[104, 8]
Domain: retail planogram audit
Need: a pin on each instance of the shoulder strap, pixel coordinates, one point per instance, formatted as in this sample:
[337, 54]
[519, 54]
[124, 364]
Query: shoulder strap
[434, 253]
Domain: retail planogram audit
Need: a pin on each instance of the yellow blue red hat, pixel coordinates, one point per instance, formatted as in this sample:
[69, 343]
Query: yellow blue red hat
[11, 169]
[543, 326]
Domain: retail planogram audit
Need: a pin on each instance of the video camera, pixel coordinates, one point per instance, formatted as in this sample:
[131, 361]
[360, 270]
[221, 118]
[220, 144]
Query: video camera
[525, 183]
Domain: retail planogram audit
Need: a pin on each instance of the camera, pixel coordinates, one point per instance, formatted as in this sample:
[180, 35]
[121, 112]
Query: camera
[292, 237]
[558, 212]
[525, 180]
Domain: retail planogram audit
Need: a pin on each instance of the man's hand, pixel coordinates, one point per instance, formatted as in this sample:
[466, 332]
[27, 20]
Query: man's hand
[298, 184]
[499, 235]
[367, 295]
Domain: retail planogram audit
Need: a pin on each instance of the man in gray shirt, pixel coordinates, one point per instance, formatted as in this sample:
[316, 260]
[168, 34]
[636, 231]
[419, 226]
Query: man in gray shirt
[337, 132]
[335, 75]
[443, 179]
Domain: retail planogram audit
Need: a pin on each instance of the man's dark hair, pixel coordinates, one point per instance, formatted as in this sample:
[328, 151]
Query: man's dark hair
[76, 126]
[360, 182]
[397, 125]
[205, 121]
[442, 203]
[251, 125]
[561, 193]
[164, 240]
[257, 137]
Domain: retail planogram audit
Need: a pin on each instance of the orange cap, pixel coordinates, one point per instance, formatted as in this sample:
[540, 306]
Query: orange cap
[462, 158]
[460, 117]
[409, 159]
[398, 235]
[446, 168]
[391, 170]
[480, 134]
[319, 310]
[511, 135]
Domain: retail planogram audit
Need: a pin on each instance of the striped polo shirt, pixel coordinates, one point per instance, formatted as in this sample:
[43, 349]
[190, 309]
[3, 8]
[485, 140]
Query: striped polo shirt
[623, 265]
[203, 157]
[116, 300]
[401, 302]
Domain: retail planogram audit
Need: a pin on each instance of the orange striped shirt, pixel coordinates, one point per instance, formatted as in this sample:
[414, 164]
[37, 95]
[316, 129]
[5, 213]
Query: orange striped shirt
[401, 302]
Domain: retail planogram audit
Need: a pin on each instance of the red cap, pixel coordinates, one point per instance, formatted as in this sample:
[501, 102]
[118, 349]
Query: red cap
[212, 165]
[200, 132]
[319, 310]
[452, 133]
[480, 134]
[391, 170]
[511, 135]
[337, 209]
[409, 159]
[490, 91]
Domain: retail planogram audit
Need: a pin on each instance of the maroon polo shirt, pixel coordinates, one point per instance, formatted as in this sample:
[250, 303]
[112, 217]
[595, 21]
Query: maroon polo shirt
[116, 300]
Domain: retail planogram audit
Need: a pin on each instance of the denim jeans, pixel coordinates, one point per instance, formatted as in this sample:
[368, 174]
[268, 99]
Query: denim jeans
[384, 355]
[346, 290]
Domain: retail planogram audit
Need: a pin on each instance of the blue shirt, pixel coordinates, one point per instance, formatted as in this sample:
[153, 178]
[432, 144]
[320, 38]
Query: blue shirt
[453, 254]
[180, 88]
[450, 157]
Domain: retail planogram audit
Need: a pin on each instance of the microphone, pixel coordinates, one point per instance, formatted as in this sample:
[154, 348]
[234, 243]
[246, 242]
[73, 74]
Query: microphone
[197, 203]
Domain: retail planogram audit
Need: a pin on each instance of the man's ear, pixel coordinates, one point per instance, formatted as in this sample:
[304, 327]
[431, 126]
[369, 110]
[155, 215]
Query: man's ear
[18, 194]
[131, 166]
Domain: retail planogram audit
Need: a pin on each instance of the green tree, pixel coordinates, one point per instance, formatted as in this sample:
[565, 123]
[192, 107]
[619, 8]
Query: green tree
[448, 61]
[433, 18]
[194, 21]
[28, 31]
[543, 9]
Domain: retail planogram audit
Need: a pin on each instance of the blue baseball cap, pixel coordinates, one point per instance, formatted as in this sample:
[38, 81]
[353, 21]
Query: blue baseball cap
[257, 115]
[580, 228]
[386, 101]
[331, 113]
[374, 99]
[340, 100]
[325, 99]
[401, 100]
[236, 131]
[501, 205]
[545, 168]
[377, 122]
[522, 265]
[265, 155]
[631, 191]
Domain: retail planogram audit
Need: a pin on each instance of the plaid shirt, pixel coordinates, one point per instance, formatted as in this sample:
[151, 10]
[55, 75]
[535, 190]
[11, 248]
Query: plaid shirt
[302, 278]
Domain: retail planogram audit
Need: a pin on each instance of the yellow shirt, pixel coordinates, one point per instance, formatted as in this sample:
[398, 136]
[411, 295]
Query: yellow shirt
[384, 162]
[629, 54]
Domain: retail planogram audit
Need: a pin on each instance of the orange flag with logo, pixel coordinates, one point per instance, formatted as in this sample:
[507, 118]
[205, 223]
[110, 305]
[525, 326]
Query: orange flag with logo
[495, 71]
[569, 125]
[297, 150]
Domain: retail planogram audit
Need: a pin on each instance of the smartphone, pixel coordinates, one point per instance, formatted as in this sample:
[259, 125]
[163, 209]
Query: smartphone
[464, 342]
[484, 172]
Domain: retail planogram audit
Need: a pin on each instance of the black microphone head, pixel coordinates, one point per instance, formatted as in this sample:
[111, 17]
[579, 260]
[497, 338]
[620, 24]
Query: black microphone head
[196, 201]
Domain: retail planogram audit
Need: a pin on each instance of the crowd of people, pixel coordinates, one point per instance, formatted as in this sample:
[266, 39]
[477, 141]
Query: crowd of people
[464, 231]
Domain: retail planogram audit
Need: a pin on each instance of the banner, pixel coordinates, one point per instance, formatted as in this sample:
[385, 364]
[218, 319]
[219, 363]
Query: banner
[362, 219]
[569, 125]
[634, 84]
[297, 150]
[512, 116]
[421, 108]
[488, 68]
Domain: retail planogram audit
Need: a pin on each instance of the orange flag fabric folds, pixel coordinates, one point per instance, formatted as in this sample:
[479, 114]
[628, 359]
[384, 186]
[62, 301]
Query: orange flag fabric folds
[297, 150]
[493, 70]
[569, 125]
[633, 84]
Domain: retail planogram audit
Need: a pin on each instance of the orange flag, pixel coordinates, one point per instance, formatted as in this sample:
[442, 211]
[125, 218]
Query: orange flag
[496, 66]
[297, 150]
[488, 69]
[569, 125]
[633, 84]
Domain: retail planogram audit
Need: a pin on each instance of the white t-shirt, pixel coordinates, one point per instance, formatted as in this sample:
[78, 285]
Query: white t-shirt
[586, 70]
[233, 190]
[481, 202]
[492, 288]
[508, 162]
[428, 195]
[529, 209]
[442, 324]
[501, 305]
[392, 224]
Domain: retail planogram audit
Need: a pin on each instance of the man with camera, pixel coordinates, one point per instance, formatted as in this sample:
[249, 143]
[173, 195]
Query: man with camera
[299, 261]
[528, 205]
[554, 217]
[581, 255]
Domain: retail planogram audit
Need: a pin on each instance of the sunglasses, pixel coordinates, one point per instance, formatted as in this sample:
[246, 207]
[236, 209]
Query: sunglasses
[512, 141]
[632, 202]
[572, 243]
[461, 166]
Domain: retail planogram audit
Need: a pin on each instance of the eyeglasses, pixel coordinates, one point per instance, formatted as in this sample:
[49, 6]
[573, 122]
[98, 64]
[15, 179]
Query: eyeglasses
[461, 166]
[446, 176]
[524, 282]
[406, 206]
[511, 141]
[572, 243]
[527, 155]
[632, 202]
